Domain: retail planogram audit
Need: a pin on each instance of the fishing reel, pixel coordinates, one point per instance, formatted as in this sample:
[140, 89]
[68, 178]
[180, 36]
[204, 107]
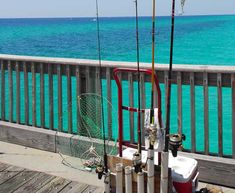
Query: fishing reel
[100, 171]
[152, 134]
[137, 163]
[175, 143]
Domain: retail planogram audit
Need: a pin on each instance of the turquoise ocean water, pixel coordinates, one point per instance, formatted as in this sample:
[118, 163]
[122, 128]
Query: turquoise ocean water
[199, 40]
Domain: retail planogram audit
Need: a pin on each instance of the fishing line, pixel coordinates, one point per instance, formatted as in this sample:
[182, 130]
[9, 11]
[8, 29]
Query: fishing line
[138, 74]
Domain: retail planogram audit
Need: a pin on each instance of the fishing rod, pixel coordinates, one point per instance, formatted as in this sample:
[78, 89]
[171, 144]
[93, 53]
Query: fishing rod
[172, 142]
[102, 170]
[137, 156]
[153, 69]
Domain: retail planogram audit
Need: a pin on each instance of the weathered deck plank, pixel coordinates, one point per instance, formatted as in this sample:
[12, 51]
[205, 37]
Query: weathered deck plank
[74, 187]
[54, 186]
[9, 173]
[17, 181]
[35, 183]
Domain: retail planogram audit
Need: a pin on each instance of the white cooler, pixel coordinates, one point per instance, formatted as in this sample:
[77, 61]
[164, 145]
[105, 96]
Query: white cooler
[184, 170]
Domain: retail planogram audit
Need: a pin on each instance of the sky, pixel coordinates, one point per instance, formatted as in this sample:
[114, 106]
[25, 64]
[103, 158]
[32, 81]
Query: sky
[86, 8]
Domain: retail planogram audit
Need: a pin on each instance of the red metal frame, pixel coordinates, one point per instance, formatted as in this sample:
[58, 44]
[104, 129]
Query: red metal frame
[121, 107]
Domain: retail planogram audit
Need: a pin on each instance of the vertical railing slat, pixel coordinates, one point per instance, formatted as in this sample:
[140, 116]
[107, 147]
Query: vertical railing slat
[10, 82]
[33, 94]
[26, 93]
[69, 99]
[42, 96]
[51, 106]
[17, 93]
[206, 113]
[179, 102]
[3, 90]
[220, 117]
[131, 104]
[109, 97]
[78, 93]
[88, 80]
[233, 114]
[60, 116]
[166, 85]
[143, 104]
[192, 102]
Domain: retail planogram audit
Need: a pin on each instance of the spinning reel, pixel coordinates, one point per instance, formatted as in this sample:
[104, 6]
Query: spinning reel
[175, 143]
[137, 163]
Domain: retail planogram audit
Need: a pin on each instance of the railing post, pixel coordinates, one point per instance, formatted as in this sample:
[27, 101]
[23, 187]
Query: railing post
[233, 114]
[3, 90]
[42, 96]
[17, 93]
[26, 93]
[78, 93]
[33, 95]
[220, 116]
[69, 99]
[60, 108]
[206, 113]
[10, 91]
[109, 98]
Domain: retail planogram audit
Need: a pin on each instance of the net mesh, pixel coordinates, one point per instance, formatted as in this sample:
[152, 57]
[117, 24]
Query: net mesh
[88, 145]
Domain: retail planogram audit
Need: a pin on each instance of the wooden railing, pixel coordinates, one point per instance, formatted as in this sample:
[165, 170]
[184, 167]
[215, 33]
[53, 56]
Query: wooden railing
[42, 92]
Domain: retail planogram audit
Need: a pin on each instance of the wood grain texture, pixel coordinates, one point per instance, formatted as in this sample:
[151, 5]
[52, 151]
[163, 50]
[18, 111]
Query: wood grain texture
[60, 106]
[54, 186]
[78, 93]
[35, 183]
[206, 113]
[220, 115]
[3, 91]
[10, 89]
[233, 114]
[27, 136]
[33, 95]
[42, 96]
[18, 96]
[8, 173]
[18, 180]
[109, 98]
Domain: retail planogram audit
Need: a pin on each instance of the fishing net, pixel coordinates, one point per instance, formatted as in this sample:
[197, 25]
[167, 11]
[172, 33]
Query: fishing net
[89, 146]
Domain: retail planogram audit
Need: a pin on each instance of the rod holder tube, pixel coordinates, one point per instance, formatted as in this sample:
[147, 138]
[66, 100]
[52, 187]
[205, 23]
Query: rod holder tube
[107, 182]
[150, 170]
[140, 182]
[164, 172]
[119, 184]
[128, 179]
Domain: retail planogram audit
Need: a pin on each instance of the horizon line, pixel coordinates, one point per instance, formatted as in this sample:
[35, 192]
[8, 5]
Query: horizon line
[83, 17]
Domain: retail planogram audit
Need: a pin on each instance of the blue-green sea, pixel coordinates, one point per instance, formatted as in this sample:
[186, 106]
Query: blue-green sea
[199, 40]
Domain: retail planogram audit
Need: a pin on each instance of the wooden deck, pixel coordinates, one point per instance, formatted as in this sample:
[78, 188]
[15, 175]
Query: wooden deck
[17, 180]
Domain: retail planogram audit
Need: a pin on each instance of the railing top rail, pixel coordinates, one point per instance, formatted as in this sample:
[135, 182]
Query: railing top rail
[121, 64]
